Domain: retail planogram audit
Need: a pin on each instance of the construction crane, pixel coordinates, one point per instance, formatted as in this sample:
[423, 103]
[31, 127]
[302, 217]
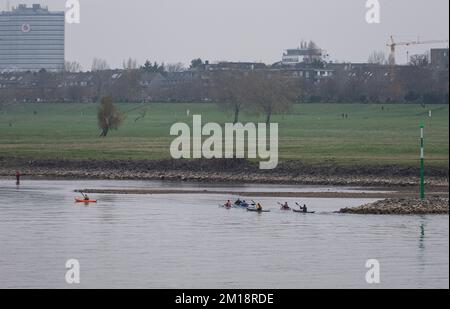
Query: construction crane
[393, 46]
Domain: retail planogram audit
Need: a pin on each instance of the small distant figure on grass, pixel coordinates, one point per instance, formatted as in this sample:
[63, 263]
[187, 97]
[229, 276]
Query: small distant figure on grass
[18, 177]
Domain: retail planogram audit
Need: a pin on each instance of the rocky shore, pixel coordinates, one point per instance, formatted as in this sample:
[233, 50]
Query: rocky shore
[434, 206]
[235, 171]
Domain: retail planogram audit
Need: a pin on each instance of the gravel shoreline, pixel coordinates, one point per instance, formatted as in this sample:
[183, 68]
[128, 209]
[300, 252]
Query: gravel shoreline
[431, 206]
[307, 194]
[223, 171]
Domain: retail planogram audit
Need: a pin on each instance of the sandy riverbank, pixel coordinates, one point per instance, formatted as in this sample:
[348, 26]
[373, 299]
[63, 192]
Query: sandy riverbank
[311, 194]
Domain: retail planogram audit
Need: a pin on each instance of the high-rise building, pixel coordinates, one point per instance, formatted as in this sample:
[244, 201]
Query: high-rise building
[31, 39]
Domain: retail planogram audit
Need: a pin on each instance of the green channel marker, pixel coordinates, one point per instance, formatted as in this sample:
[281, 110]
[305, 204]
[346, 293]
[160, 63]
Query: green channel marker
[422, 163]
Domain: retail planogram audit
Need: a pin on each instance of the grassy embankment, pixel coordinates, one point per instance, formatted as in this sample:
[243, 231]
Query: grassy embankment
[313, 133]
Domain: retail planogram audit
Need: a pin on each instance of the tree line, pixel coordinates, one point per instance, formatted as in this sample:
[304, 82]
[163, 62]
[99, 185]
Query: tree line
[251, 92]
[378, 84]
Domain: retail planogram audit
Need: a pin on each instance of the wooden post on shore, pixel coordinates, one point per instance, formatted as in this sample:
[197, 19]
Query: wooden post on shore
[422, 163]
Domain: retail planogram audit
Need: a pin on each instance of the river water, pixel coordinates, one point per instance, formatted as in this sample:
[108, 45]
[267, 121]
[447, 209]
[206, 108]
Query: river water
[187, 241]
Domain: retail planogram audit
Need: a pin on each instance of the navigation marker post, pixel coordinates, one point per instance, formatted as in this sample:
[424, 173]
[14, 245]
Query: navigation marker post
[422, 163]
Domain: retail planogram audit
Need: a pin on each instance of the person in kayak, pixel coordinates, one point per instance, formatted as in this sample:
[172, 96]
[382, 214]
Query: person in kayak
[244, 204]
[228, 203]
[85, 196]
[238, 202]
[259, 207]
[304, 208]
[285, 206]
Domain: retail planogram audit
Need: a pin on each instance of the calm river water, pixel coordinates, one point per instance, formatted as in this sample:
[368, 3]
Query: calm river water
[187, 241]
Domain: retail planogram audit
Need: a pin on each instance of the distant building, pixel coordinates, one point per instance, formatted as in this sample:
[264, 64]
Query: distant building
[439, 58]
[306, 53]
[31, 39]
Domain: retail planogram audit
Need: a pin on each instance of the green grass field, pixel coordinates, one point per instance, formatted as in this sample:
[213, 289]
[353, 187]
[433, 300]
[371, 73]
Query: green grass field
[312, 133]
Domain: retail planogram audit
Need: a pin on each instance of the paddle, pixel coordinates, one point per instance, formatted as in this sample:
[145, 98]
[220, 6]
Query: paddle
[253, 204]
[298, 205]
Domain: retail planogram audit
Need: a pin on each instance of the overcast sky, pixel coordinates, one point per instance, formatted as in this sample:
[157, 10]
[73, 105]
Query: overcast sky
[242, 30]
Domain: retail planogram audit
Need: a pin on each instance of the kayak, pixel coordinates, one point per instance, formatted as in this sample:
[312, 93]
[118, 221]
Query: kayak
[240, 205]
[256, 210]
[301, 211]
[79, 200]
[227, 207]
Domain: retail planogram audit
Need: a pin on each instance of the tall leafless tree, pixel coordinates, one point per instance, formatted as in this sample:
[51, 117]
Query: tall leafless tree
[271, 93]
[175, 67]
[229, 90]
[73, 67]
[378, 57]
[99, 65]
[130, 64]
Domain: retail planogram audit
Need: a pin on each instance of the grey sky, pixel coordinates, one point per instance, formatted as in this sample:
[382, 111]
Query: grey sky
[242, 30]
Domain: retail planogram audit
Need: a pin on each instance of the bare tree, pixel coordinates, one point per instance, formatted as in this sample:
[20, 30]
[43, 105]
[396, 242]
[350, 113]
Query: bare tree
[127, 88]
[271, 94]
[130, 64]
[99, 65]
[312, 45]
[229, 91]
[419, 60]
[175, 67]
[108, 116]
[377, 57]
[73, 67]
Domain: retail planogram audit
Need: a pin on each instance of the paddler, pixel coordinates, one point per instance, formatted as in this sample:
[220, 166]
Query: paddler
[304, 208]
[285, 206]
[259, 207]
[86, 198]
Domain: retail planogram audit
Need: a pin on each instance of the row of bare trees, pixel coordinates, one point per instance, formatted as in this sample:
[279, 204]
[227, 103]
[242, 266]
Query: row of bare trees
[99, 64]
[254, 92]
[379, 57]
[408, 84]
[250, 92]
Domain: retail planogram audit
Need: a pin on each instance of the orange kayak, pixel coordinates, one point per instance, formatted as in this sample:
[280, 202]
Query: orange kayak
[79, 200]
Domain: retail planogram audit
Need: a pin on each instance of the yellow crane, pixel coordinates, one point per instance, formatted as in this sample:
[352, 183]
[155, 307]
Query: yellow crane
[393, 46]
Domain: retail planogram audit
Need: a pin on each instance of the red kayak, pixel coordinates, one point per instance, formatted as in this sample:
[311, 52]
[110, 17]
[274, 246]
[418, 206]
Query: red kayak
[79, 200]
